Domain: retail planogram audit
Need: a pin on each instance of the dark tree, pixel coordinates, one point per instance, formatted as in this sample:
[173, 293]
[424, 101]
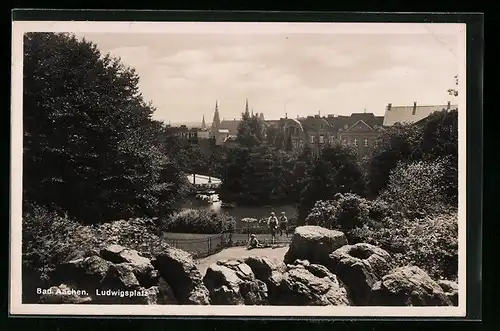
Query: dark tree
[251, 131]
[440, 140]
[397, 143]
[336, 171]
[91, 148]
[434, 137]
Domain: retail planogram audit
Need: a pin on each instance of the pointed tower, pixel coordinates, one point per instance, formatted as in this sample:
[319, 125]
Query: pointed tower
[216, 121]
[203, 125]
[247, 113]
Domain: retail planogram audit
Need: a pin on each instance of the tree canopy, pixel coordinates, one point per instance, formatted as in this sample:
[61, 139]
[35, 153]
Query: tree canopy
[336, 170]
[251, 131]
[91, 148]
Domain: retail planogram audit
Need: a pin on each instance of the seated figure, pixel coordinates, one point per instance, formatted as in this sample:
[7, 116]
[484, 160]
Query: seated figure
[253, 242]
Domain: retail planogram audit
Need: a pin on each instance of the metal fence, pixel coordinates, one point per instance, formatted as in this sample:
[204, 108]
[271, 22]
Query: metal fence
[212, 244]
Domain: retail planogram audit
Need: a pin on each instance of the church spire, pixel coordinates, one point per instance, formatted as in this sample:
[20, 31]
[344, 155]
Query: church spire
[216, 120]
[203, 125]
[246, 108]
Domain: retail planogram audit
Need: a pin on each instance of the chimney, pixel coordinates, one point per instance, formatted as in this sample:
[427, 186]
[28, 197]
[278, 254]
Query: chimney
[389, 106]
[449, 106]
[414, 108]
[286, 115]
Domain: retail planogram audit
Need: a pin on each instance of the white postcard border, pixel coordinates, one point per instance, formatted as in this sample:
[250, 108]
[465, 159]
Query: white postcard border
[21, 27]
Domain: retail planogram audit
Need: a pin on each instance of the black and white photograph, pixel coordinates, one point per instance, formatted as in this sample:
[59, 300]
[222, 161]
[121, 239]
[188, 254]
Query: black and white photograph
[230, 168]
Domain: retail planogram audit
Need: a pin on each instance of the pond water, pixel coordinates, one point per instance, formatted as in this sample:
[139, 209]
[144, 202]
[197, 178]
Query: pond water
[239, 212]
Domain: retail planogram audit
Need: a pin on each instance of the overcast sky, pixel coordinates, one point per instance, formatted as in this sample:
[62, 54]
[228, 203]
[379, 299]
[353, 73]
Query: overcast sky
[300, 74]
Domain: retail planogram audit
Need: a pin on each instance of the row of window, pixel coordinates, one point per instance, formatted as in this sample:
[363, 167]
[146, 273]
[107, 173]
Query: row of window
[332, 139]
[355, 141]
[321, 139]
[188, 134]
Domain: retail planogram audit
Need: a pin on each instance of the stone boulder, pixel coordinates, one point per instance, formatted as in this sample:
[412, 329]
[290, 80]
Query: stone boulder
[64, 294]
[179, 270]
[450, 289]
[314, 243]
[359, 267]
[305, 284]
[408, 286]
[120, 254]
[164, 294]
[263, 267]
[120, 277]
[268, 271]
[233, 283]
[141, 266]
[84, 273]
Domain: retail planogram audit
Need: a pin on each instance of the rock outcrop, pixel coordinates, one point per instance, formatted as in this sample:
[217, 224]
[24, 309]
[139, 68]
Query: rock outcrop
[233, 283]
[408, 286]
[450, 289]
[305, 284]
[261, 281]
[319, 269]
[115, 275]
[179, 270]
[359, 267]
[83, 273]
[314, 243]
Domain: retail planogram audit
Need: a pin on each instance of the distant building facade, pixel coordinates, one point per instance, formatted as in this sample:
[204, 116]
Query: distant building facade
[359, 130]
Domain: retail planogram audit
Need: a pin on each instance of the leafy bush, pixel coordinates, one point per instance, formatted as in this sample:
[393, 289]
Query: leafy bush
[378, 209]
[323, 214]
[49, 239]
[430, 243]
[198, 221]
[347, 211]
[417, 188]
[352, 211]
[433, 138]
[396, 143]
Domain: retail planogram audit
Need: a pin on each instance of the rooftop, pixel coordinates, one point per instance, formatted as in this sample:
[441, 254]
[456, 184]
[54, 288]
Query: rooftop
[413, 113]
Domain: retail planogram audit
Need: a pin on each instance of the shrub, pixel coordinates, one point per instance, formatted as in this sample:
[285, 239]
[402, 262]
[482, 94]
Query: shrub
[353, 211]
[198, 221]
[323, 213]
[347, 211]
[396, 143]
[378, 209]
[430, 243]
[49, 239]
[44, 236]
[417, 187]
